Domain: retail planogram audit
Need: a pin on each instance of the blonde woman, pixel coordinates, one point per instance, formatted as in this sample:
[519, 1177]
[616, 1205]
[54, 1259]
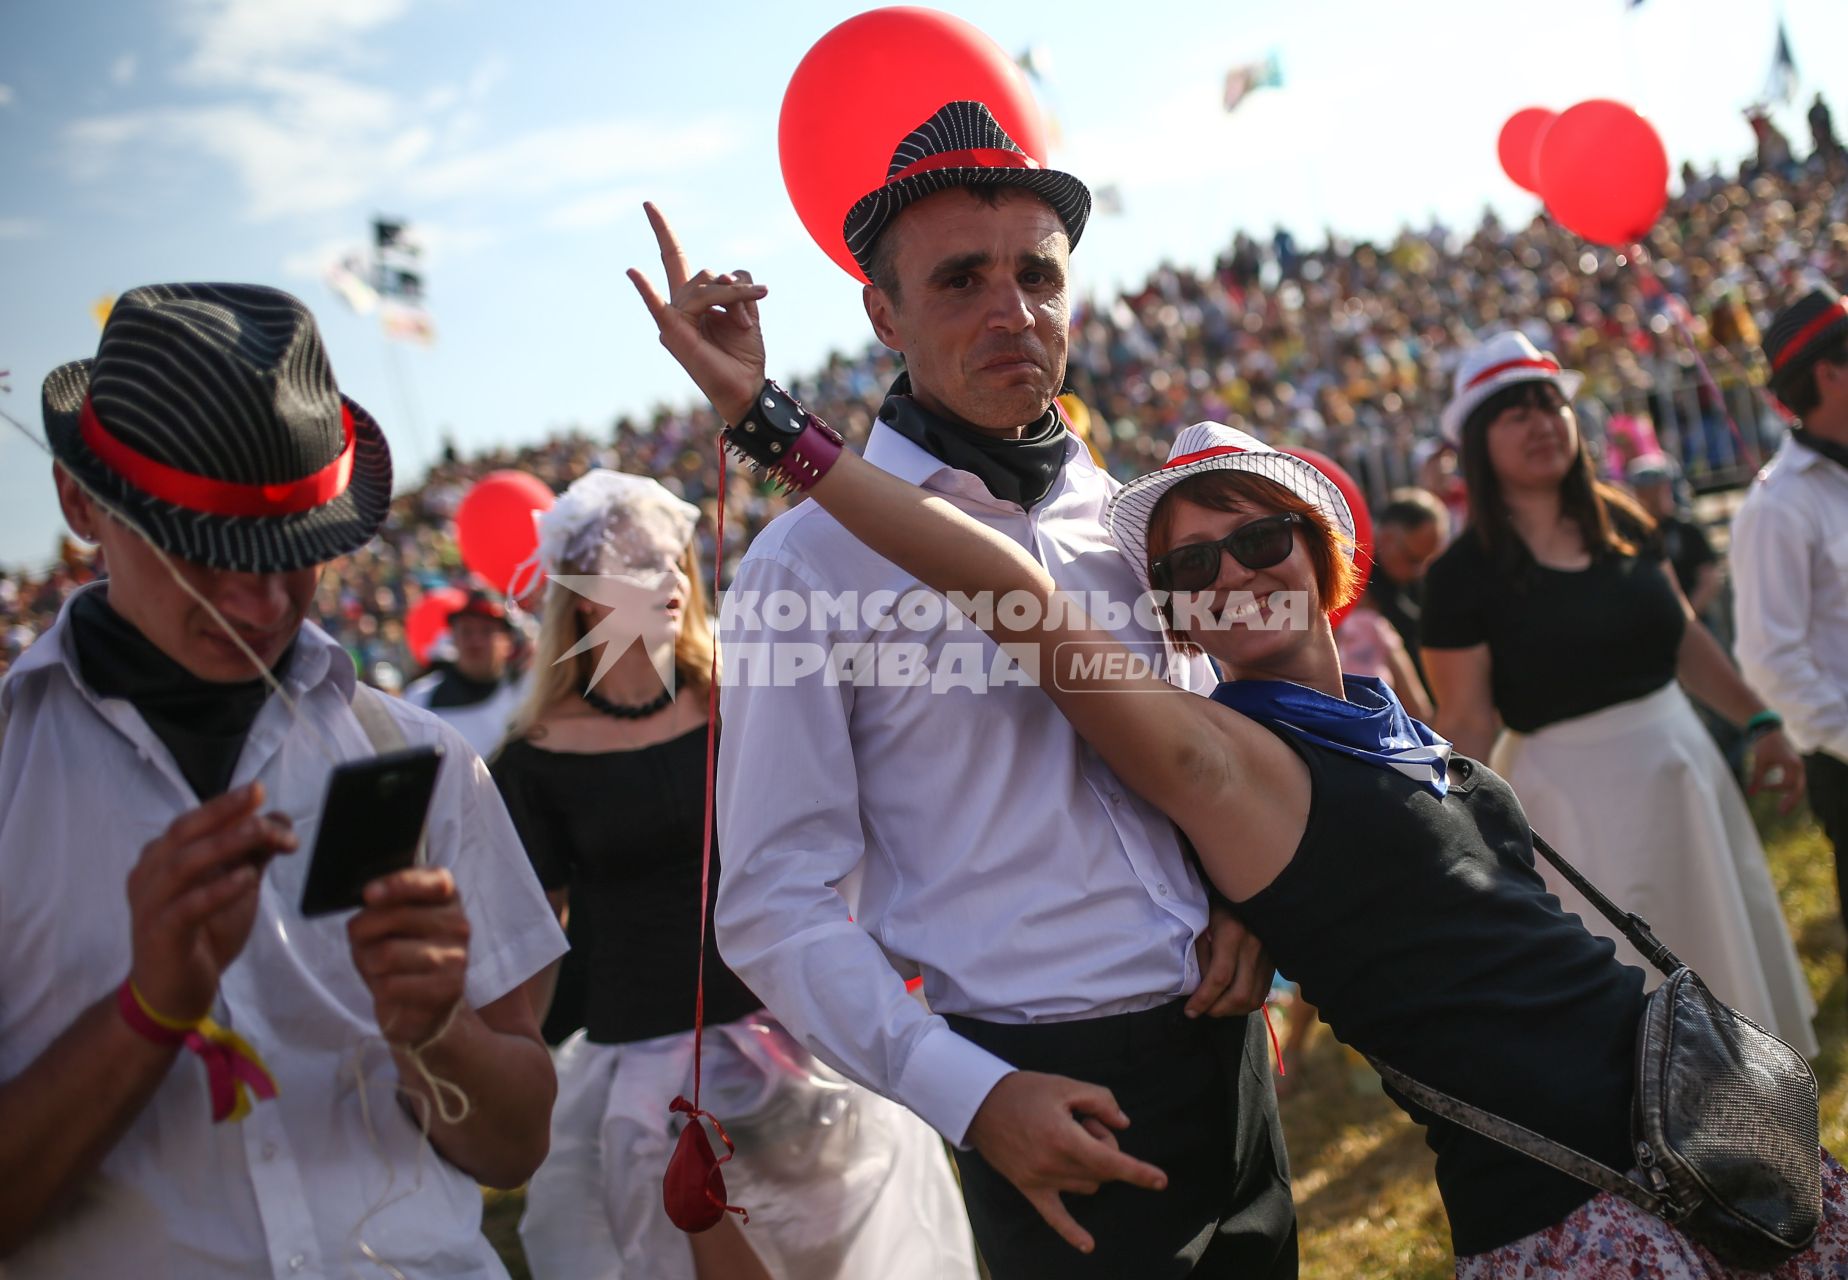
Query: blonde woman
[604, 772]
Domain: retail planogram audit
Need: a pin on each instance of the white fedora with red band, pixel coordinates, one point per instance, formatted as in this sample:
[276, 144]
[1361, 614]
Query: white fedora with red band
[1500, 362]
[1212, 446]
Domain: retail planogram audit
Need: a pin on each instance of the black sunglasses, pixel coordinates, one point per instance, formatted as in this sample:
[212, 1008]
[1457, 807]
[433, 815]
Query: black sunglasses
[1258, 545]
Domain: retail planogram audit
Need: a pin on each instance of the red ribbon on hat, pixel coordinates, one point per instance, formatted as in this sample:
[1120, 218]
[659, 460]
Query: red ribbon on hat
[212, 497]
[1794, 347]
[1545, 366]
[1201, 455]
[970, 158]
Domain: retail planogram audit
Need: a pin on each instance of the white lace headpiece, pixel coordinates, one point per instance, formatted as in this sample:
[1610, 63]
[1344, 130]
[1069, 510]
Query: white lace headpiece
[613, 522]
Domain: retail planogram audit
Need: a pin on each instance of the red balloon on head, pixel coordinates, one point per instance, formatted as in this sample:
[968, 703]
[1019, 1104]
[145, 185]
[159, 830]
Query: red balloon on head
[495, 532]
[1518, 146]
[1363, 520]
[868, 83]
[429, 618]
[1604, 172]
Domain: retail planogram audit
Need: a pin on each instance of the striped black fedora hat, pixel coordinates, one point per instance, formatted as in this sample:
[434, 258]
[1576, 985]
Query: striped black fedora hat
[963, 145]
[210, 420]
[1802, 331]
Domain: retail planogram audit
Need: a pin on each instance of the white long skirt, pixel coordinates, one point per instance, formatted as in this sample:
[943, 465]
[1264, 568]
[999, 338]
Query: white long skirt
[839, 1182]
[1638, 798]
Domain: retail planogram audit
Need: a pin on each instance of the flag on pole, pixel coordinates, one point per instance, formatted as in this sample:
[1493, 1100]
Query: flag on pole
[398, 276]
[347, 278]
[1242, 81]
[1782, 85]
[1036, 61]
[407, 322]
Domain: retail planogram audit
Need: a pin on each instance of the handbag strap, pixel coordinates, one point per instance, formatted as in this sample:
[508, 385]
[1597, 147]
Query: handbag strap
[1631, 925]
[1527, 1142]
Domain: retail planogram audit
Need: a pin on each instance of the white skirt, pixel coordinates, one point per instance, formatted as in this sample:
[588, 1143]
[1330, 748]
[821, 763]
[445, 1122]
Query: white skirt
[1638, 798]
[839, 1182]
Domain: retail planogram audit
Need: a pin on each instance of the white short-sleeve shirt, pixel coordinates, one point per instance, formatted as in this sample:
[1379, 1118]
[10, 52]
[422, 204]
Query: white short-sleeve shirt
[84, 786]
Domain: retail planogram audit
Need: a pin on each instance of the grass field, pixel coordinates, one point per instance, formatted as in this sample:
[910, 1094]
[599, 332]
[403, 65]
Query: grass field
[1367, 1205]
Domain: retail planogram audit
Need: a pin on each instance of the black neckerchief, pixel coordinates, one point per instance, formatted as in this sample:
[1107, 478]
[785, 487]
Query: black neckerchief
[201, 722]
[1836, 453]
[457, 690]
[1021, 471]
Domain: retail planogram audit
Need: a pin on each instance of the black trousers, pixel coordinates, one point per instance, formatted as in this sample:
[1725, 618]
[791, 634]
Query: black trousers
[1202, 1108]
[1827, 781]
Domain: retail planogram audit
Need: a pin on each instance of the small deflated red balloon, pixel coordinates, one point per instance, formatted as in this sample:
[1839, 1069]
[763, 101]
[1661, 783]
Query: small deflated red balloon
[1363, 519]
[868, 83]
[1518, 146]
[495, 531]
[429, 618]
[1604, 172]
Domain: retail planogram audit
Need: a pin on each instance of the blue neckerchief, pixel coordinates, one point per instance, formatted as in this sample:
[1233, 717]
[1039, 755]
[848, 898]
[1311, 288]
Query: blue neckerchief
[1370, 725]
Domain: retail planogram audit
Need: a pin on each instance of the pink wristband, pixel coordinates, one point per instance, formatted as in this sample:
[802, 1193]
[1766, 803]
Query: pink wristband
[233, 1070]
[813, 453]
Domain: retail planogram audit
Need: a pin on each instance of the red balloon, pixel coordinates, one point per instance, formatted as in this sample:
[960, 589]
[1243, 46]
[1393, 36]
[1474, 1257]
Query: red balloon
[1519, 144]
[868, 83]
[494, 528]
[428, 619]
[1604, 172]
[1363, 521]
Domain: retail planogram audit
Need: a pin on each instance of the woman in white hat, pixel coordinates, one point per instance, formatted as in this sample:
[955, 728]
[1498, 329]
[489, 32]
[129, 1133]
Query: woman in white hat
[1393, 880]
[604, 774]
[1554, 621]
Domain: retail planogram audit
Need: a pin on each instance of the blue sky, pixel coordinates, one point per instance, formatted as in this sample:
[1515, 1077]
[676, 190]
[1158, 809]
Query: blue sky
[254, 139]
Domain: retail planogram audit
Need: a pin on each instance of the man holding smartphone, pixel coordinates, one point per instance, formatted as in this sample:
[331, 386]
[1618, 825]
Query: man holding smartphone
[193, 1076]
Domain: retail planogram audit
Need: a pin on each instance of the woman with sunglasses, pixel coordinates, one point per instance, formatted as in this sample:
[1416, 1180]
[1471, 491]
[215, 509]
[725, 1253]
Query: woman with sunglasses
[1556, 619]
[1393, 881]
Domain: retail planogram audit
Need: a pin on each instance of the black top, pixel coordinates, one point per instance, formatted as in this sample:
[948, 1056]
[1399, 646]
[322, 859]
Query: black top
[453, 689]
[1562, 642]
[202, 723]
[1421, 931]
[1402, 604]
[623, 830]
[1686, 547]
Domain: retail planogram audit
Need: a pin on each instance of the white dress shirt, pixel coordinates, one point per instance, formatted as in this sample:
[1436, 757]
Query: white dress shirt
[483, 724]
[84, 785]
[982, 843]
[1790, 595]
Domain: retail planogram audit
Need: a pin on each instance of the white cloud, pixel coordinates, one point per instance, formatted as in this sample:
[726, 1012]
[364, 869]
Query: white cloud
[560, 157]
[289, 112]
[21, 228]
[588, 213]
[6, 94]
[236, 35]
[122, 70]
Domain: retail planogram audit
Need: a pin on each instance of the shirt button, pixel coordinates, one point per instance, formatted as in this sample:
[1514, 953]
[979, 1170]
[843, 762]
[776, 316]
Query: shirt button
[296, 1263]
[1162, 889]
[1116, 797]
[269, 1151]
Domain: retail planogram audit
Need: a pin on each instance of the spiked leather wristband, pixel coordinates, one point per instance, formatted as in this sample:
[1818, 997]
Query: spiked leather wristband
[782, 438]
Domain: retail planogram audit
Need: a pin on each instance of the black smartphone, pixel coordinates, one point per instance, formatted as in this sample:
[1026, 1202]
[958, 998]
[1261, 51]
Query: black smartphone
[371, 823]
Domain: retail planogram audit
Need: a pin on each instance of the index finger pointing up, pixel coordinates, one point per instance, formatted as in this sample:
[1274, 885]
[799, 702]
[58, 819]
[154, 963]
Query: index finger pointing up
[673, 261]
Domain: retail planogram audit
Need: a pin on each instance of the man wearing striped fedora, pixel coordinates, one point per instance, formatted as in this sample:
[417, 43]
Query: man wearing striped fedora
[1105, 1125]
[195, 1079]
[1790, 557]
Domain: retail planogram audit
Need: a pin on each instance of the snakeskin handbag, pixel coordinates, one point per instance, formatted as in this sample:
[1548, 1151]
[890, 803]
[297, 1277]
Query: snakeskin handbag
[1724, 1122]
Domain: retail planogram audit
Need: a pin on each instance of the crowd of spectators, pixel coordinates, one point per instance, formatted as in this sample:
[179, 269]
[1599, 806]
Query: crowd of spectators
[1347, 347]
